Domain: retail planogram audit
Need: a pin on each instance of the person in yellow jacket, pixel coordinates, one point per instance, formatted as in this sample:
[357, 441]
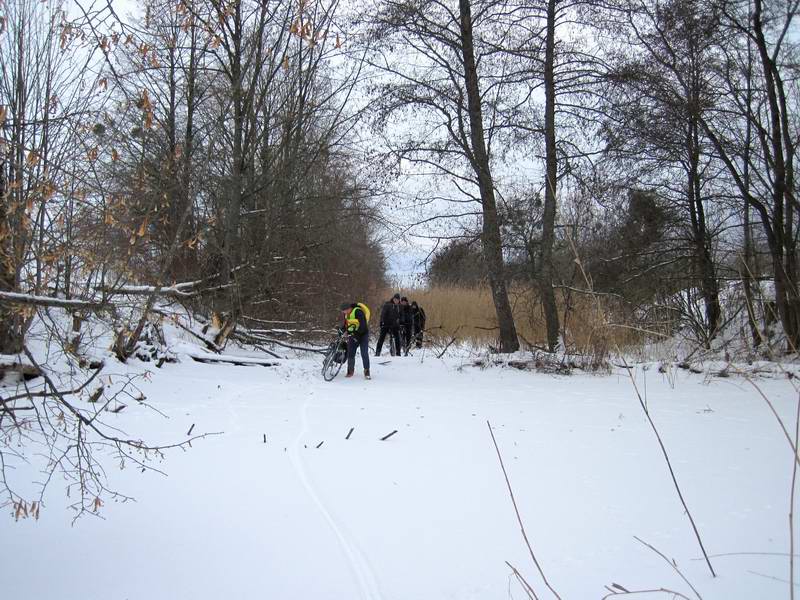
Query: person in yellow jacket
[355, 317]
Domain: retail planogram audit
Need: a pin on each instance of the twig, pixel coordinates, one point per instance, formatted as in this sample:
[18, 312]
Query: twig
[791, 506]
[387, 436]
[450, 343]
[768, 577]
[671, 471]
[671, 564]
[747, 554]
[190, 430]
[776, 415]
[525, 585]
[519, 518]
[652, 591]
[318, 445]
[85, 421]
[349, 433]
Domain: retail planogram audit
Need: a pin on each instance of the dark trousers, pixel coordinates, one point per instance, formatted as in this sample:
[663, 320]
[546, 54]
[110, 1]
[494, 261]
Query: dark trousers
[406, 330]
[357, 342]
[392, 331]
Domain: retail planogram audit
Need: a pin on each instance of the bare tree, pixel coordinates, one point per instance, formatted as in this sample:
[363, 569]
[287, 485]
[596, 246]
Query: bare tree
[758, 58]
[458, 100]
[654, 116]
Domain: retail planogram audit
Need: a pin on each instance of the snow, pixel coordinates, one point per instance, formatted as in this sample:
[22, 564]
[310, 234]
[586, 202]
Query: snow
[424, 515]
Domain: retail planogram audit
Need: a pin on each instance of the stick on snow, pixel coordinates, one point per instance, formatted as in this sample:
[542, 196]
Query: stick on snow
[320, 444]
[386, 437]
[349, 433]
[190, 430]
[519, 518]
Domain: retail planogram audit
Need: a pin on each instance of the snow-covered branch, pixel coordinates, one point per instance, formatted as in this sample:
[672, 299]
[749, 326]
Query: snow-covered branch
[33, 300]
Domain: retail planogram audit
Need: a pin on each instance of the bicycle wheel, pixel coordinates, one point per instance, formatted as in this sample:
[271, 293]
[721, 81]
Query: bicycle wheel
[331, 368]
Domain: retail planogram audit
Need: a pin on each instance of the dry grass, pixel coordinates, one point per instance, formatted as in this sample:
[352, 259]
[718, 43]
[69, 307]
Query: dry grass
[469, 315]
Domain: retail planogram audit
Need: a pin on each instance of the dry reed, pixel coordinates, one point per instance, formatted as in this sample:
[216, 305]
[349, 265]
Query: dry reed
[469, 311]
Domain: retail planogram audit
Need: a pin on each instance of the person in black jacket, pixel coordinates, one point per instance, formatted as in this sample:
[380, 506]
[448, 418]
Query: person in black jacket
[355, 322]
[405, 324]
[390, 323]
[417, 322]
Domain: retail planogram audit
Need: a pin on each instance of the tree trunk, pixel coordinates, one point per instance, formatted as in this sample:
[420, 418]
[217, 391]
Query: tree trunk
[546, 274]
[783, 255]
[233, 212]
[13, 223]
[10, 338]
[188, 253]
[492, 242]
[748, 267]
[703, 260]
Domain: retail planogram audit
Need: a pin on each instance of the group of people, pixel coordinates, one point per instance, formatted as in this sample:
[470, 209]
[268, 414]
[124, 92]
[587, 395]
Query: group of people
[402, 321]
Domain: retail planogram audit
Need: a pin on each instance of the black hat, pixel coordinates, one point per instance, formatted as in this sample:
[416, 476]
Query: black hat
[345, 305]
[403, 299]
[397, 296]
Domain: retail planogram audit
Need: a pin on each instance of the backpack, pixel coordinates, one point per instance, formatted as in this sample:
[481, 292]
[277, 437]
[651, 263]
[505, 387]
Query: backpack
[365, 308]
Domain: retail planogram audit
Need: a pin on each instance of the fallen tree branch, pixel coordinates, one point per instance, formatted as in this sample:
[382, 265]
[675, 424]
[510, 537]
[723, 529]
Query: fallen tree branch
[32, 300]
[248, 337]
[209, 344]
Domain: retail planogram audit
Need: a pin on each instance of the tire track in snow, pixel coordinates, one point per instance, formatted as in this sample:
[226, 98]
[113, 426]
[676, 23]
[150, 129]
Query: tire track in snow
[359, 566]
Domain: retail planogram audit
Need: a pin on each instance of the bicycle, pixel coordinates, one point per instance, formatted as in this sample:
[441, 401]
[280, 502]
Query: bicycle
[335, 356]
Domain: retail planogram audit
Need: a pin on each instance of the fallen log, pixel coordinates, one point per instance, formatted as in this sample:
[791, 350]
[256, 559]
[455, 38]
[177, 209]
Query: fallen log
[241, 361]
[13, 364]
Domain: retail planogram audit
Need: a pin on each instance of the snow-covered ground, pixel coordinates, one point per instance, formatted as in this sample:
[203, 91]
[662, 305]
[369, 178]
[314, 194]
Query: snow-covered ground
[425, 515]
